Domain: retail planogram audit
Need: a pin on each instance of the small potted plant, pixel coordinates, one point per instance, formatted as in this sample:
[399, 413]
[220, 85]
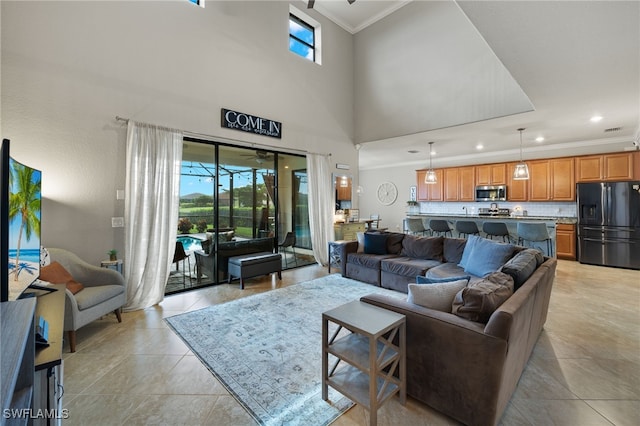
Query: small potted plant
[413, 207]
[113, 255]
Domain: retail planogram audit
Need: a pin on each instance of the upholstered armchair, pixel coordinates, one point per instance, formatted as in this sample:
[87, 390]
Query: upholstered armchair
[103, 292]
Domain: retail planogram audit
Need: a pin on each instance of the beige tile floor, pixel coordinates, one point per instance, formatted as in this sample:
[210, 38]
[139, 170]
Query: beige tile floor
[585, 369]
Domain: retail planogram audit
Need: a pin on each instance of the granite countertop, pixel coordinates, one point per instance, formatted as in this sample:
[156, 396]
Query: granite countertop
[558, 219]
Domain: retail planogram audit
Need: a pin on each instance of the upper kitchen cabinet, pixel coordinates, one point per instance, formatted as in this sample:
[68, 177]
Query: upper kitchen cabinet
[552, 180]
[491, 174]
[459, 184]
[517, 190]
[563, 183]
[430, 191]
[605, 167]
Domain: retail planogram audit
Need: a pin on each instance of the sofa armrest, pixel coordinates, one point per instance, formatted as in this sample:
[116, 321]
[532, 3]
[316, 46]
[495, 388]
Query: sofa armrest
[347, 247]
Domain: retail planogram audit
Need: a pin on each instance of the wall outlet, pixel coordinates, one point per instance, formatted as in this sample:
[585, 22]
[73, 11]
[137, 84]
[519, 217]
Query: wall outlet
[117, 222]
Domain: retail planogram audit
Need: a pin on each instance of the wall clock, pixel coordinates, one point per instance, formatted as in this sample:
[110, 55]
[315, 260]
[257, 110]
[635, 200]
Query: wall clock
[387, 193]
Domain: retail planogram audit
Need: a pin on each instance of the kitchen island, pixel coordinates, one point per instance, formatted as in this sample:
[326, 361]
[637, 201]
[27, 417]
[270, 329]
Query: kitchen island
[510, 221]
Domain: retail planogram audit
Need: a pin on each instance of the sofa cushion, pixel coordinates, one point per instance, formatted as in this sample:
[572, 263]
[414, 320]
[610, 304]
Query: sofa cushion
[92, 296]
[433, 280]
[487, 256]
[478, 301]
[407, 266]
[394, 242]
[428, 248]
[453, 248]
[522, 265]
[375, 243]
[367, 260]
[445, 270]
[435, 296]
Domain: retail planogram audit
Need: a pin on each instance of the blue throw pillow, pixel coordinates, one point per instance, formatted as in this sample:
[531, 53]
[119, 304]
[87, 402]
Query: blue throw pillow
[375, 243]
[471, 241]
[425, 280]
[487, 256]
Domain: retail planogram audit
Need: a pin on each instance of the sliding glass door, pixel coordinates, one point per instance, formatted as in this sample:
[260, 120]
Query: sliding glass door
[230, 195]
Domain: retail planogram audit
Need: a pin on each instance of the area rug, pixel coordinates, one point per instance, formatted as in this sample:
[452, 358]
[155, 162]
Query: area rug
[266, 349]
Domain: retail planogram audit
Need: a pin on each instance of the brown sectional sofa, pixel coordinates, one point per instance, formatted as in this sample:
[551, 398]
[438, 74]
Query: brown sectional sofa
[466, 369]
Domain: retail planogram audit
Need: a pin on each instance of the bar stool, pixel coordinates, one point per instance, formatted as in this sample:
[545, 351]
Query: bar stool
[496, 229]
[415, 226]
[466, 228]
[534, 232]
[440, 227]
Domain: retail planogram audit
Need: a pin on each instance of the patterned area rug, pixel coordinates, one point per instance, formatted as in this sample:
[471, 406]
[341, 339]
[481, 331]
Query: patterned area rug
[267, 349]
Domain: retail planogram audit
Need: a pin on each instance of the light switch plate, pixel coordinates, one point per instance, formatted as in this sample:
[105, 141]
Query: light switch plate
[119, 194]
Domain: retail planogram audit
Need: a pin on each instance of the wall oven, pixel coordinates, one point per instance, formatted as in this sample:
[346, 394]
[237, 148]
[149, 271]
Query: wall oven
[491, 193]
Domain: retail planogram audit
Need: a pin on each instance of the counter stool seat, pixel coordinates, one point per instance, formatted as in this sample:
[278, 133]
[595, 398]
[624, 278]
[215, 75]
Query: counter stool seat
[466, 228]
[534, 232]
[496, 229]
[440, 227]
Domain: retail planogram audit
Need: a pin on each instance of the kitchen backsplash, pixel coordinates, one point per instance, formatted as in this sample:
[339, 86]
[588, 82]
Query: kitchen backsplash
[549, 209]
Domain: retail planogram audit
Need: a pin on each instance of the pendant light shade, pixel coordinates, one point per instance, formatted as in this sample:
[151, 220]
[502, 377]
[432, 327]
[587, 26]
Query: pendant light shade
[521, 172]
[430, 176]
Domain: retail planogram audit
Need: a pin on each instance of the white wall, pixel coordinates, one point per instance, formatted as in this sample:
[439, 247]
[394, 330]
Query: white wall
[68, 68]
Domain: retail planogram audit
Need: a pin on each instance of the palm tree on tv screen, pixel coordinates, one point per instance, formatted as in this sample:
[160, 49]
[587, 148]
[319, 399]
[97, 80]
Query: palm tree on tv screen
[24, 202]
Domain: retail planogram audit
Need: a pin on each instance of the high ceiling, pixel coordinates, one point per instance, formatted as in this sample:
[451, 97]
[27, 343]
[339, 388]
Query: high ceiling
[571, 59]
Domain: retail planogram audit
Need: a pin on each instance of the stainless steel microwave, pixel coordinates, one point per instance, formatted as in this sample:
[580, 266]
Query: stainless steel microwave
[491, 193]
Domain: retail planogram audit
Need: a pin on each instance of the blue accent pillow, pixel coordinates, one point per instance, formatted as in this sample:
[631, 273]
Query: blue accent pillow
[468, 248]
[487, 256]
[375, 243]
[425, 280]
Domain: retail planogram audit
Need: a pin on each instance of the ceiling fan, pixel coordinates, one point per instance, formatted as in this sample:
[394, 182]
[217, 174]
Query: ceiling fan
[260, 156]
[312, 2]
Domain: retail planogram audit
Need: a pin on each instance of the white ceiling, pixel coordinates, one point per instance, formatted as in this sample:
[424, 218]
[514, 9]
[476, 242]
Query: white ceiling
[572, 59]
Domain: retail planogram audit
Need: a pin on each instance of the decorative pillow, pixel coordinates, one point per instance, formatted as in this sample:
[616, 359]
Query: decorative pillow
[468, 248]
[487, 256]
[45, 259]
[435, 296]
[435, 280]
[478, 301]
[394, 242]
[375, 243]
[427, 248]
[452, 249]
[360, 237]
[521, 266]
[56, 274]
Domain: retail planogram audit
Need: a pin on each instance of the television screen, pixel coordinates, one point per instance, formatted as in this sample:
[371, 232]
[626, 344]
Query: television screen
[24, 227]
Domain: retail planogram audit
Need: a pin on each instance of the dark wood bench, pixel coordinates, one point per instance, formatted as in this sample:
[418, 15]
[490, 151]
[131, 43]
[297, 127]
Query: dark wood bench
[253, 265]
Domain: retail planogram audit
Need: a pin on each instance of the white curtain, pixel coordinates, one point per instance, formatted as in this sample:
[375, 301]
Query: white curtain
[154, 157]
[321, 205]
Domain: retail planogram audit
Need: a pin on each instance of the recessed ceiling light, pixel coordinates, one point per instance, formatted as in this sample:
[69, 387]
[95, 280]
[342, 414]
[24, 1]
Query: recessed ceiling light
[540, 139]
[479, 146]
[595, 118]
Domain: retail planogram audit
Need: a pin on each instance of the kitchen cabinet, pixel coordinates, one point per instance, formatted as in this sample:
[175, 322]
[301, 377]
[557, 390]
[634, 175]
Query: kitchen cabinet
[605, 167]
[430, 191]
[491, 174]
[566, 241]
[539, 180]
[459, 184]
[563, 182]
[517, 190]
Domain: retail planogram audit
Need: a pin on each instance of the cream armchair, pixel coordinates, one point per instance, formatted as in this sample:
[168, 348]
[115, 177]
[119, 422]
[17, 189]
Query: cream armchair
[103, 292]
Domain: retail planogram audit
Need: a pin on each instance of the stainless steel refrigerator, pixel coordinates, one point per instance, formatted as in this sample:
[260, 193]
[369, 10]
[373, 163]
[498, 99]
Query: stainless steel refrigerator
[609, 224]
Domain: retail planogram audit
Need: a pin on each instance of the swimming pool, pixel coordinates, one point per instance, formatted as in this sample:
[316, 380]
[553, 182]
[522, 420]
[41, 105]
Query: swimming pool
[190, 243]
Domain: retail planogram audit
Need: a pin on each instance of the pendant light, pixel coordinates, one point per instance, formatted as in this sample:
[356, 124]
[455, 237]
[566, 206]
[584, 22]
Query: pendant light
[430, 176]
[521, 172]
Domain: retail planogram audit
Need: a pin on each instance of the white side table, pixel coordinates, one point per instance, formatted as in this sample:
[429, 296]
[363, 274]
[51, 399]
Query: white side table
[368, 350]
[116, 265]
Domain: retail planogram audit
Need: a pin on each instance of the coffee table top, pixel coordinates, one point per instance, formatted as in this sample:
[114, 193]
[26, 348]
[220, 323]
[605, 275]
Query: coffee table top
[364, 318]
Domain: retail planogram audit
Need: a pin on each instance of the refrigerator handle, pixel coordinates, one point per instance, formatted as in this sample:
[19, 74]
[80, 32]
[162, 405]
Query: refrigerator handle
[608, 209]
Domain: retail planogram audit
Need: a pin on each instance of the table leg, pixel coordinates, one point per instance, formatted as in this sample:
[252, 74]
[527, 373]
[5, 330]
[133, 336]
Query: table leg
[325, 357]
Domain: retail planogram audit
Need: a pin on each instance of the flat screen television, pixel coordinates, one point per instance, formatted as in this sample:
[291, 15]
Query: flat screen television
[20, 217]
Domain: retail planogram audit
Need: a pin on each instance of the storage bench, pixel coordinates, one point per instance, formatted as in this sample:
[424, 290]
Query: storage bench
[253, 265]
